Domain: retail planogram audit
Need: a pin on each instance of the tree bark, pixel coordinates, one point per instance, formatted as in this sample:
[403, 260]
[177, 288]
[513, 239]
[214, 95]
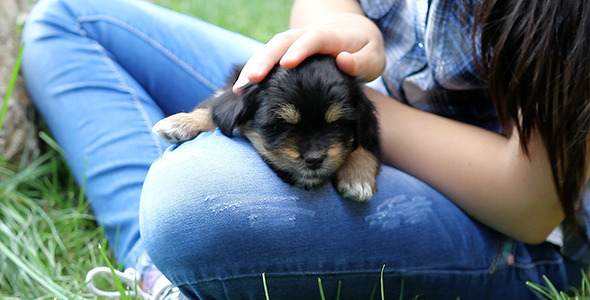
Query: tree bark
[19, 141]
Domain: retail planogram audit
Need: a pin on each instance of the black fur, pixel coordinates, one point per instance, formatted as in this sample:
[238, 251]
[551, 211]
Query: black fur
[311, 87]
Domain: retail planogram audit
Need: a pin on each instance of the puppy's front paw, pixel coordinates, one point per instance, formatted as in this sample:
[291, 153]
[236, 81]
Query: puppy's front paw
[182, 127]
[356, 179]
[357, 191]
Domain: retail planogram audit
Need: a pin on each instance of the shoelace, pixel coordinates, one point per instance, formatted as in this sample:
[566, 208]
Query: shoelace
[161, 289]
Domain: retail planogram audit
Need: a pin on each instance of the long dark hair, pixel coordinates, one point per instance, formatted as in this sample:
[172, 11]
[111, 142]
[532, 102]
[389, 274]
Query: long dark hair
[535, 55]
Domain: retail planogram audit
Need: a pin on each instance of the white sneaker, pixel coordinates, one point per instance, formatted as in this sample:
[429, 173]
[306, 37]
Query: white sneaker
[161, 289]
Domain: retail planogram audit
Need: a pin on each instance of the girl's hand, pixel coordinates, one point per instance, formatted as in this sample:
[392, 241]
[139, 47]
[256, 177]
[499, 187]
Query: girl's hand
[354, 40]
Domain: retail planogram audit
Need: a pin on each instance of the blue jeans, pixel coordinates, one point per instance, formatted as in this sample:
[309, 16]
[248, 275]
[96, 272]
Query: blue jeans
[212, 216]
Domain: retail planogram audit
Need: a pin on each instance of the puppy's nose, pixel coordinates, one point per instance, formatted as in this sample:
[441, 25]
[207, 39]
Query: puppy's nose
[314, 160]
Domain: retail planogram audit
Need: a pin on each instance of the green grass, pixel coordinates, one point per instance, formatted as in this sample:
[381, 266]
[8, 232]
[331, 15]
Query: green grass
[257, 19]
[48, 236]
[549, 292]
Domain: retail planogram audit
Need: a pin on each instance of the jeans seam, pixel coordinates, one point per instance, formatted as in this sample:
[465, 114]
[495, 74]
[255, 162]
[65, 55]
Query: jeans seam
[538, 263]
[134, 97]
[376, 272]
[495, 265]
[153, 43]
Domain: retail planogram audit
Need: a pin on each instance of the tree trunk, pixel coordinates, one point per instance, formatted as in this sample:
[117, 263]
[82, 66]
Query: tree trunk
[19, 142]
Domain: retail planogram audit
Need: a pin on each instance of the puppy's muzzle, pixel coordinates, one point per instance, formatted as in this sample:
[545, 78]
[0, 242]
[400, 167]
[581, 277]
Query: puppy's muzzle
[314, 159]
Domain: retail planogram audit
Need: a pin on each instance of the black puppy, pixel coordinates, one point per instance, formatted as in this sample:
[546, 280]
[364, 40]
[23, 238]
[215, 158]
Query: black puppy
[310, 124]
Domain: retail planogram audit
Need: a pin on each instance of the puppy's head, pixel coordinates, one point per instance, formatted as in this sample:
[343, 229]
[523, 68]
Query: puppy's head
[303, 121]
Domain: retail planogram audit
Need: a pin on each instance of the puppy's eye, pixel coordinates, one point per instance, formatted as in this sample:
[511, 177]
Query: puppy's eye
[289, 113]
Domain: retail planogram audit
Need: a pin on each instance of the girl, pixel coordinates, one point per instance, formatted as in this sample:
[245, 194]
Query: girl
[484, 115]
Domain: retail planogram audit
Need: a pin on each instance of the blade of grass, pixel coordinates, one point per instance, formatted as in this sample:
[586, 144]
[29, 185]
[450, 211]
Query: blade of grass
[539, 291]
[373, 292]
[118, 282]
[382, 286]
[556, 294]
[15, 71]
[266, 295]
[585, 288]
[81, 203]
[321, 286]
[51, 143]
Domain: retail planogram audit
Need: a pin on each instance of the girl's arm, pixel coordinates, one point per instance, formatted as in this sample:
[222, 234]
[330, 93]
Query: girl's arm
[484, 173]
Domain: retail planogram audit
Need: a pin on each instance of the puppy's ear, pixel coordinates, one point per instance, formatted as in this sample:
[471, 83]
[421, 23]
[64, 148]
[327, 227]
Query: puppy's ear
[230, 110]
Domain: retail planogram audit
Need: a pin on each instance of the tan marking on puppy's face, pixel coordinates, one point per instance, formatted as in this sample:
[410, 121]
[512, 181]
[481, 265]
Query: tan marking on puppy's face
[289, 113]
[263, 148]
[290, 152]
[255, 138]
[335, 111]
[337, 153]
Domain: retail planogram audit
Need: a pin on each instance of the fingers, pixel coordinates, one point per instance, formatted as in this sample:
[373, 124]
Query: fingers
[289, 49]
[347, 63]
[266, 57]
[368, 62]
[313, 41]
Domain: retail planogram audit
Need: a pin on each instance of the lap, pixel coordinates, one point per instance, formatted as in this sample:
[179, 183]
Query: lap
[213, 214]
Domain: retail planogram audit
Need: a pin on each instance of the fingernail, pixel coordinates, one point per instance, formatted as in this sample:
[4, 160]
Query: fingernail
[240, 83]
[290, 55]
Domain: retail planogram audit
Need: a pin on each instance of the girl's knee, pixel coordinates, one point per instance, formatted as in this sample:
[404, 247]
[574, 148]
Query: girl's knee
[209, 164]
[200, 193]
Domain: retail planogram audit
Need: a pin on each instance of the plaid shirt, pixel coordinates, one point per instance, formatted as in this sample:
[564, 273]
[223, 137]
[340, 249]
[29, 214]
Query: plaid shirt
[431, 66]
[430, 61]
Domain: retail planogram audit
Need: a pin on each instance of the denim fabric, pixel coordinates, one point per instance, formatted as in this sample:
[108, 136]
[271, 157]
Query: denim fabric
[213, 216]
